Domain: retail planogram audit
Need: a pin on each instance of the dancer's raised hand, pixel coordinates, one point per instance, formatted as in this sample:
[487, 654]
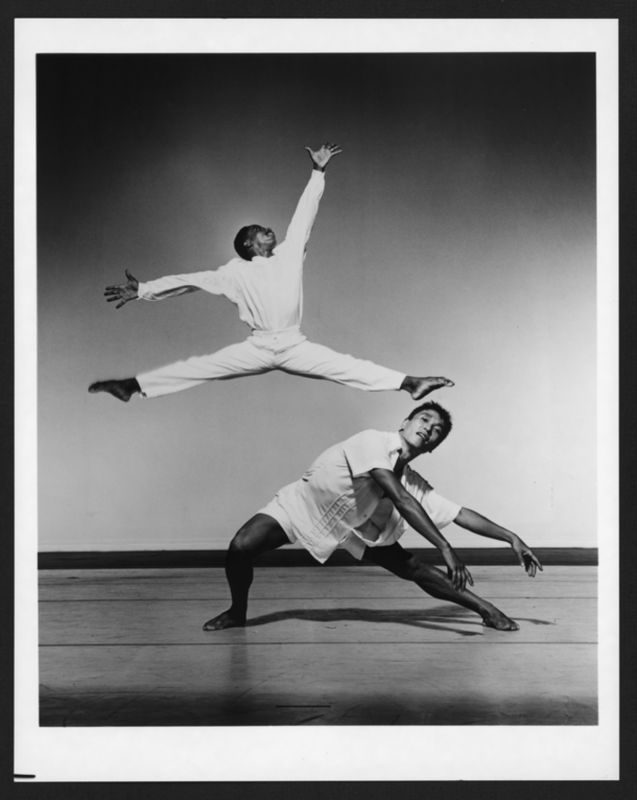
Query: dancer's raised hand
[322, 156]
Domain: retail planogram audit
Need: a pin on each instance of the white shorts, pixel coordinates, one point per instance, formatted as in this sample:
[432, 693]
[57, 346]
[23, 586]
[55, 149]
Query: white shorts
[321, 546]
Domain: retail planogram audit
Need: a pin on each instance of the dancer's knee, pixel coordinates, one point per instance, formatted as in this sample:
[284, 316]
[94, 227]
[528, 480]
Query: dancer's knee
[241, 544]
[410, 569]
[422, 573]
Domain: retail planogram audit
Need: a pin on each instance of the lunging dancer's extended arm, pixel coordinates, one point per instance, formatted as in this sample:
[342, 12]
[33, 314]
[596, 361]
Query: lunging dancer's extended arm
[416, 516]
[476, 523]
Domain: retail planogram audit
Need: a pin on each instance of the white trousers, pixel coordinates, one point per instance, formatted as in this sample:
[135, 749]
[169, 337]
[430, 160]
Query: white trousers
[287, 350]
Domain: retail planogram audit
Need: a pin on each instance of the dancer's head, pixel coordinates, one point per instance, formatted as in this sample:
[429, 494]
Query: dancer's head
[254, 240]
[427, 426]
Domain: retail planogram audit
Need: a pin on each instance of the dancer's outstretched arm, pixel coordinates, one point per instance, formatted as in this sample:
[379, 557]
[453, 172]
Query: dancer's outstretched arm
[476, 523]
[213, 281]
[300, 226]
[416, 516]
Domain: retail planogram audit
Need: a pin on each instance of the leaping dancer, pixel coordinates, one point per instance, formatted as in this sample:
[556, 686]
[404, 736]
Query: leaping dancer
[265, 282]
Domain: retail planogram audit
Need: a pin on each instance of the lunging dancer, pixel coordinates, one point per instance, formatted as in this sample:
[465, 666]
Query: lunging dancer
[361, 494]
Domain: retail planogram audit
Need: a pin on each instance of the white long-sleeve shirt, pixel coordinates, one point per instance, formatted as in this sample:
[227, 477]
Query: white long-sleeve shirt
[267, 291]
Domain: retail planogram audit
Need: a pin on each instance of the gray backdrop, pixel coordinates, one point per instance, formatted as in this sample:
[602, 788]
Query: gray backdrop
[456, 236]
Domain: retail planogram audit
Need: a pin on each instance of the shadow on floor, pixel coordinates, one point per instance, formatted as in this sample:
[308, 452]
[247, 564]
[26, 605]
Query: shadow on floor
[432, 619]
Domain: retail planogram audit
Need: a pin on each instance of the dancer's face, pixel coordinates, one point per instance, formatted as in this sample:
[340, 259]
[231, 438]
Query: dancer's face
[424, 430]
[263, 242]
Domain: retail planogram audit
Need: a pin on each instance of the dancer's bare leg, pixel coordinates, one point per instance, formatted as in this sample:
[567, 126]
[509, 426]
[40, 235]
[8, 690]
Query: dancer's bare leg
[434, 581]
[258, 535]
[420, 387]
[122, 389]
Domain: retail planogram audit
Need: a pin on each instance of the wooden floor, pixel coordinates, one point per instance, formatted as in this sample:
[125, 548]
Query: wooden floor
[325, 646]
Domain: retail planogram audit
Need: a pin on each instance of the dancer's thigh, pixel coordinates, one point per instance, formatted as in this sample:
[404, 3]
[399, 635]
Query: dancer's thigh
[242, 358]
[317, 361]
[394, 558]
[258, 535]
[314, 360]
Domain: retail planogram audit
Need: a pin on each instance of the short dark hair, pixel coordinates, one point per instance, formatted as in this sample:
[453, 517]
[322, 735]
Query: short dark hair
[243, 240]
[445, 416]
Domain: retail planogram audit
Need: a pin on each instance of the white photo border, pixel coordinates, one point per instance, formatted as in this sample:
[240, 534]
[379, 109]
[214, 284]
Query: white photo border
[318, 753]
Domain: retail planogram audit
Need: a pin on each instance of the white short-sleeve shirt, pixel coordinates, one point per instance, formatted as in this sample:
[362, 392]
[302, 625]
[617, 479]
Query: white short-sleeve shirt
[338, 503]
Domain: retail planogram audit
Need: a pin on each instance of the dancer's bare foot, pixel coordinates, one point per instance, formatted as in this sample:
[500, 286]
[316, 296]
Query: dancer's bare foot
[496, 619]
[420, 387]
[223, 621]
[121, 389]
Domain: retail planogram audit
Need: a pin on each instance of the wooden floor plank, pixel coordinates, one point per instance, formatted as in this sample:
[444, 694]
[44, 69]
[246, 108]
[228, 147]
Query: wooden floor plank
[301, 582]
[327, 646]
